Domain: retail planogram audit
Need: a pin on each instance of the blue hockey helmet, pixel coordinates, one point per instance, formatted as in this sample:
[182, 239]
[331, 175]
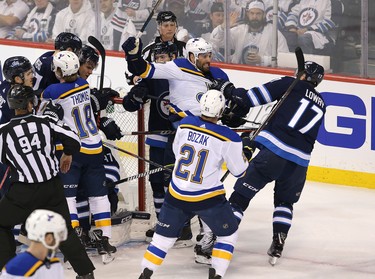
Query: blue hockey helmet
[314, 72]
[67, 40]
[16, 66]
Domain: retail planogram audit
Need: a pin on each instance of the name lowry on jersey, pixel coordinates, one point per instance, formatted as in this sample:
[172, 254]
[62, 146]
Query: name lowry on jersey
[80, 97]
[197, 138]
[314, 97]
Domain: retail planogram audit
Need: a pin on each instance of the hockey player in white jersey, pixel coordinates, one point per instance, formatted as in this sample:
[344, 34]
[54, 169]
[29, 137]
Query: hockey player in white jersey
[201, 147]
[87, 170]
[45, 229]
[188, 77]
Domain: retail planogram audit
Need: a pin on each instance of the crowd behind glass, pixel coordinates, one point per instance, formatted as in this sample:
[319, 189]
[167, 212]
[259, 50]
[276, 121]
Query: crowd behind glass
[241, 31]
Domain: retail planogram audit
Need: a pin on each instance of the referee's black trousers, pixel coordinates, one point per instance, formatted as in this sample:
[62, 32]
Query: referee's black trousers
[18, 204]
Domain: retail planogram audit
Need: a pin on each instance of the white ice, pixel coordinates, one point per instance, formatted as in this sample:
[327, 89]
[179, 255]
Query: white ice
[332, 236]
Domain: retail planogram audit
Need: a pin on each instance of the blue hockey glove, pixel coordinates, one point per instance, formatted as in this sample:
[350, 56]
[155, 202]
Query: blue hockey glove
[110, 128]
[54, 110]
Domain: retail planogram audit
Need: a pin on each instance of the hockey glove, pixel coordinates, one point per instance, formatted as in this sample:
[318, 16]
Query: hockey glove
[54, 110]
[101, 99]
[226, 87]
[249, 146]
[110, 128]
[139, 93]
[132, 47]
[232, 120]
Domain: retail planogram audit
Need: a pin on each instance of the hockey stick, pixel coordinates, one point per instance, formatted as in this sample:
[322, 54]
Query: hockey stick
[139, 34]
[136, 156]
[136, 176]
[301, 69]
[4, 177]
[171, 132]
[98, 45]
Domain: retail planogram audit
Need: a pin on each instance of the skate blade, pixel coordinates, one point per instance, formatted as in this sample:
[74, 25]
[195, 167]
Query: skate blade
[68, 265]
[107, 258]
[273, 260]
[183, 244]
[202, 260]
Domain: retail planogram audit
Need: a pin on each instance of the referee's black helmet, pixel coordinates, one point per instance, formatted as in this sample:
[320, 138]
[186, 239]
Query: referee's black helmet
[19, 96]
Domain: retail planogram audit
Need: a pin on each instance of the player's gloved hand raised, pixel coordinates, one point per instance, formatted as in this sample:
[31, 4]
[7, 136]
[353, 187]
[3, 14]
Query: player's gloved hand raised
[101, 99]
[54, 110]
[249, 146]
[110, 128]
[132, 46]
[226, 87]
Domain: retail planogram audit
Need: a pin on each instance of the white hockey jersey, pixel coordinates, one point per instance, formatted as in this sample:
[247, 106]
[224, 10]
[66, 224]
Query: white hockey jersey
[186, 83]
[78, 115]
[123, 25]
[25, 265]
[141, 10]
[201, 148]
[242, 41]
[16, 8]
[81, 23]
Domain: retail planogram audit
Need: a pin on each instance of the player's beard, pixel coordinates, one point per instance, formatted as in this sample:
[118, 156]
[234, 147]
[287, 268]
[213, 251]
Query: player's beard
[205, 67]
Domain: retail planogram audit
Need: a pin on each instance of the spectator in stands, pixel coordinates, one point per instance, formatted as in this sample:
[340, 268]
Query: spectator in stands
[12, 12]
[216, 17]
[284, 8]
[39, 23]
[114, 31]
[78, 18]
[136, 10]
[197, 11]
[252, 40]
[311, 25]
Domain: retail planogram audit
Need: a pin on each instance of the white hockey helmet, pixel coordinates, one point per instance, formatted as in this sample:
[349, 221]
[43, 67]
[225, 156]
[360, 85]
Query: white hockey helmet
[212, 103]
[197, 46]
[67, 61]
[41, 222]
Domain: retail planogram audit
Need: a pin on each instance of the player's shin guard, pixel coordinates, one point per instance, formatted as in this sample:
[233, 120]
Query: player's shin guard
[282, 218]
[157, 251]
[72, 204]
[100, 208]
[222, 253]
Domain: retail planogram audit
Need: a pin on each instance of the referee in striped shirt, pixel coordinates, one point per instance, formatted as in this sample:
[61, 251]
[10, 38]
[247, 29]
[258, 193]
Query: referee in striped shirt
[27, 146]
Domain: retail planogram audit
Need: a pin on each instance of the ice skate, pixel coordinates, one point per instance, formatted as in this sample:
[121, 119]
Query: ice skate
[146, 274]
[87, 276]
[212, 274]
[185, 238]
[104, 248]
[277, 247]
[85, 238]
[203, 249]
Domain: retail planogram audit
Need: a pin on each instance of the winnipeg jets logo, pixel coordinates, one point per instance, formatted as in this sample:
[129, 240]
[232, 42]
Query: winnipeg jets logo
[307, 17]
[162, 105]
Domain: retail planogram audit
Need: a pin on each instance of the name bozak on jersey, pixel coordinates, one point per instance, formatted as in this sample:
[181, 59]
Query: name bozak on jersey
[201, 148]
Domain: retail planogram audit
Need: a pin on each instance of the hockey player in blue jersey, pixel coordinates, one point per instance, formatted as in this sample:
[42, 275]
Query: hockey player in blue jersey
[87, 171]
[201, 147]
[45, 229]
[44, 75]
[158, 119]
[285, 146]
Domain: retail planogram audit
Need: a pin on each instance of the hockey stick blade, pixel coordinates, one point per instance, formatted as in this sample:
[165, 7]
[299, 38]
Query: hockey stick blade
[143, 28]
[136, 156]
[301, 69]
